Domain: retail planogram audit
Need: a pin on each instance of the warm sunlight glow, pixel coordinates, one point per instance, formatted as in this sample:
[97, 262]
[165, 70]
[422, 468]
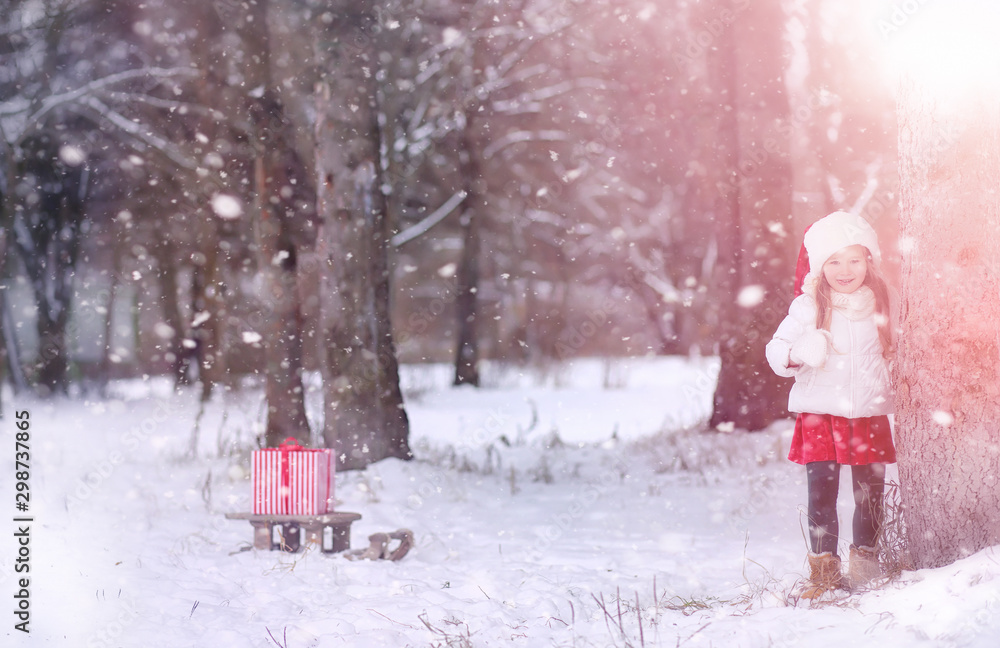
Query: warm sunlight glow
[951, 48]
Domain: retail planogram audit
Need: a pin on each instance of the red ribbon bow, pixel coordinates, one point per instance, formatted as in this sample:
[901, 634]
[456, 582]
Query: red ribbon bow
[291, 443]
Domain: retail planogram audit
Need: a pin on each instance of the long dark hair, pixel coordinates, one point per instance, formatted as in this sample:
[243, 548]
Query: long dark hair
[874, 280]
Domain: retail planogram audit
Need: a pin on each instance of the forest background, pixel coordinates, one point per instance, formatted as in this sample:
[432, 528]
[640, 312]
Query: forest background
[549, 156]
[238, 192]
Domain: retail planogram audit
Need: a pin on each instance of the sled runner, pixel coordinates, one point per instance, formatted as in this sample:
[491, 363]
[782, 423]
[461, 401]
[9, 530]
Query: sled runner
[381, 547]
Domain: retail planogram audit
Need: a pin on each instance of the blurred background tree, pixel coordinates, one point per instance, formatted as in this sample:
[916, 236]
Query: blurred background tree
[557, 179]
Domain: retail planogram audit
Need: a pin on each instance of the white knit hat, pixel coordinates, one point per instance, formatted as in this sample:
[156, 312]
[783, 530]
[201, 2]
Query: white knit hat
[833, 233]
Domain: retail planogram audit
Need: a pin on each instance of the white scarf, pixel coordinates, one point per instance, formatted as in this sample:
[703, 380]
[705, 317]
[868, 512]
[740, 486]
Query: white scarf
[856, 305]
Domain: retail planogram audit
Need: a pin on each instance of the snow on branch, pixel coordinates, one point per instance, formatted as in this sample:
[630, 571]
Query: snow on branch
[436, 59]
[430, 221]
[136, 131]
[517, 137]
[13, 106]
[52, 102]
[519, 31]
[168, 104]
[539, 95]
[502, 81]
[516, 55]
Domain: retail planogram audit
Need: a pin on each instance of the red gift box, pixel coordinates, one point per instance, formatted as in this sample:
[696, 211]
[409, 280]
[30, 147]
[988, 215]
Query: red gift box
[292, 480]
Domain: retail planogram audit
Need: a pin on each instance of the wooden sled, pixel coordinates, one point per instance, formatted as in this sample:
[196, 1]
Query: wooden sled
[290, 529]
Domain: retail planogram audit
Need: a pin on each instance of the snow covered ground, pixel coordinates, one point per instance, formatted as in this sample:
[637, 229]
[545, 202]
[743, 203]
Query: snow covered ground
[577, 508]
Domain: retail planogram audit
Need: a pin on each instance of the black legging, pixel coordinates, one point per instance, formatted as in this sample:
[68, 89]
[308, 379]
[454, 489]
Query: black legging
[823, 479]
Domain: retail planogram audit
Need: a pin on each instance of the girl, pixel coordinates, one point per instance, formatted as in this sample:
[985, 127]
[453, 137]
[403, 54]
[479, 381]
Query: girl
[835, 342]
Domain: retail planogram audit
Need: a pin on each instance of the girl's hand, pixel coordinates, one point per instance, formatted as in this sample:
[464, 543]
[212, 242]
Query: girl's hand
[811, 348]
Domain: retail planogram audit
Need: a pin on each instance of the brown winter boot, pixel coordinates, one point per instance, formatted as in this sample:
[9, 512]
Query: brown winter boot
[824, 575]
[863, 567]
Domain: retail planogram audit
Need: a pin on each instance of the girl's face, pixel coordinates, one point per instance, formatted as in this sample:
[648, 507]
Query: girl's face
[846, 270]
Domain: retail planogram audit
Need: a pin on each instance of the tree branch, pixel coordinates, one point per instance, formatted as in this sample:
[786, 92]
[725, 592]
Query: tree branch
[55, 101]
[517, 137]
[169, 104]
[430, 221]
[508, 106]
[135, 130]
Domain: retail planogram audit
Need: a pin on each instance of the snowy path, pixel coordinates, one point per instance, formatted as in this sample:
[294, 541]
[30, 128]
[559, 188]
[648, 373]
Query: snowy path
[516, 541]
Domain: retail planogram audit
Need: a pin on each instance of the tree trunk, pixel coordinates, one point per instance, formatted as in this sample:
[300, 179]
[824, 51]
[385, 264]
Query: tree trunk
[109, 321]
[753, 213]
[166, 258]
[364, 416]
[52, 363]
[477, 112]
[466, 302]
[278, 263]
[813, 151]
[209, 310]
[279, 177]
[207, 358]
[49, 241]
[12, 361]
[466, 305]
[947, 378]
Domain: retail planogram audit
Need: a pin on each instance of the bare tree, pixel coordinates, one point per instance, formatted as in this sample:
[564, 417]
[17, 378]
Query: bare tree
[50, 109]
[753, 213]
[47, 233]
[284, 211]
[506, 95]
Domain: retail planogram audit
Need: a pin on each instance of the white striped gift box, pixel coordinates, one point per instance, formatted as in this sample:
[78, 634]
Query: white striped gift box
[291, 480]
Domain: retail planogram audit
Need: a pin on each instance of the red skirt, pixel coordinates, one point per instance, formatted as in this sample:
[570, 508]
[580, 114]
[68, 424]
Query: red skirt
[854, 442]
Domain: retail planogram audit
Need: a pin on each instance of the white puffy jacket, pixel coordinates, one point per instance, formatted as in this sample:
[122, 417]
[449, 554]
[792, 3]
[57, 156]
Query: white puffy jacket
[854, 382]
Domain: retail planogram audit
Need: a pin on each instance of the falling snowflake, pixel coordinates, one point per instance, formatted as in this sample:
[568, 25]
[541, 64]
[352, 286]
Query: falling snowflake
[163, 330]
[227, 207]
[72, 155]
[751, 296]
